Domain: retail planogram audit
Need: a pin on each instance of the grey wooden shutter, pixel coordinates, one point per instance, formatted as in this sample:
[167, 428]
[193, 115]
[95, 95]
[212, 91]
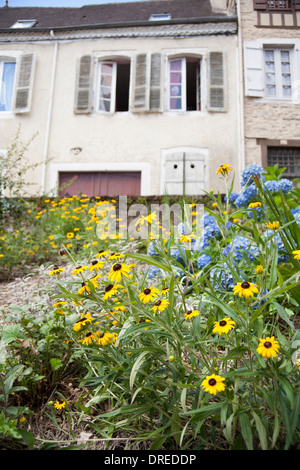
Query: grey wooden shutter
[24, 82]
[155, 83]
[83, 94]
[254, 75]
[216, 98]
[140, 84]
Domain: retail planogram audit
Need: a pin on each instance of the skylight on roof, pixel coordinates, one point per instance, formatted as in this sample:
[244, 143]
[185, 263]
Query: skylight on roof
[24, 24]
[160, 16]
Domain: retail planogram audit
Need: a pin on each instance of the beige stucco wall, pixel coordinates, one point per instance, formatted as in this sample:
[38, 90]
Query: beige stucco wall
[121, 137]
[268, 120]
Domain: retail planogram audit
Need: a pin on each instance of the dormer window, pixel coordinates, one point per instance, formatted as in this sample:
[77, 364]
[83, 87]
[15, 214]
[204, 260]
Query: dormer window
[24, 24]
[160, 17]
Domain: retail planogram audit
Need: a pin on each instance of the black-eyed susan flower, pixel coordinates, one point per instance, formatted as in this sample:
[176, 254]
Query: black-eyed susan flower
[224, 169]
[297, 254]
[268, 347]
[245, 289]
[116, 256]
[88, 338]
[84, 288]
[191, 313]
[110, 290]
[79, 270]
[87, 319]
[70, 235]
[59, 304]
[223, 326]
[106, 338]
[56, 271]
[148, 295]
[213, 384]
[165, 290]
[96, 265]
[273, 225]
[160, 305]
[117, 271]
[95, 280]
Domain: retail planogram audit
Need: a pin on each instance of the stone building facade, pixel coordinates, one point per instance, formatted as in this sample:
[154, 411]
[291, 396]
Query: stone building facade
[270, 45]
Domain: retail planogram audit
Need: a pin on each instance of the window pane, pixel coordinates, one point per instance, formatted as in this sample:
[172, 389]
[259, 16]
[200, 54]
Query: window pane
[175, 65]
[175, 103]
[7, 83]
[175, 90]
[104, 105]
[176, 84]
[271, 90]
[107, 69]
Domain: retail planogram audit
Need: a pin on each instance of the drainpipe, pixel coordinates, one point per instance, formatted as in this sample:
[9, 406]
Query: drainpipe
[49, 117]
[241, 92]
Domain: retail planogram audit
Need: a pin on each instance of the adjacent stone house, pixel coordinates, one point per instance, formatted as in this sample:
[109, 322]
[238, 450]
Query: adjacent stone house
[270, 45]
[140, 98]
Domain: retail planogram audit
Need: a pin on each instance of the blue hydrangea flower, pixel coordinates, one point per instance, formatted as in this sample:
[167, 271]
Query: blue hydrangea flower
[175, 253]
[282, 257]
[181, 228]
[238, 245]
[246, 195]
[285, 185]
[232, 197]
[272, 186]
[151, 251]
[250, 170]
[203, 260]
[222, 278]
[154, 271]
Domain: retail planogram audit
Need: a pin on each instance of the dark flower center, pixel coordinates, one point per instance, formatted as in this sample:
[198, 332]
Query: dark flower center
[117, 267]
[212, 382]
[245, 285]
[78, 267]
[189, 312]
[83, 284]
[267, 344]
[88, 334]
[158, 303]
[223, 323]
[147, 291]
[101, 335]
[109, 287]
[94, 262]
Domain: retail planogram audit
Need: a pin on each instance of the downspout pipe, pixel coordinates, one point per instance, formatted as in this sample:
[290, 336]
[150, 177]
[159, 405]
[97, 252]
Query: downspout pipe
[241, 91]
[49, 116]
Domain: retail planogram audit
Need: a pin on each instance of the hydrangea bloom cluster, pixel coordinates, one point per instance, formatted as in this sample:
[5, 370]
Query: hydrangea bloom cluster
[248, 172]
[238, 246]
[222, 278]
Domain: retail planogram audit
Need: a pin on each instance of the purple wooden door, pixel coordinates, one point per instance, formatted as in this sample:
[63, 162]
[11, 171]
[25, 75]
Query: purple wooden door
[108, 183]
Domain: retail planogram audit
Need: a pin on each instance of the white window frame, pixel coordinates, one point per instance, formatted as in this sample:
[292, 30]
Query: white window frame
[183, 54]
[10, 56]
[111, 59]
[23, 24]
[278, 73]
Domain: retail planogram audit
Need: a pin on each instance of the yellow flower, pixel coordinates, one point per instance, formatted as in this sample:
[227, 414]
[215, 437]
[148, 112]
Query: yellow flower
[259, 269]
[87, 319]
[70, 235]
[117, 271]
[111, 290]
[88, 339]
[79, 269]
[60, 404]
[56, 271]
[273, 225]
[245, 289]
[224, 169]
[296, 253]
[84, 288]
[106, 338]
[102, 253]
[254, 205]
[148, 294]
[268, 347]
[96, 265]
[223, 326]
[236, 220]
[191, 313]
[213, 384]
[115, 256]
[59, 304]
[160, 305]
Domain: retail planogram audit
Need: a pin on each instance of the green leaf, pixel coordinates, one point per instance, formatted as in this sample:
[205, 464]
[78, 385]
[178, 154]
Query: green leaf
[246, 430]
[152, 261]
[135, 369]
[261, 431]
[11, 333]
[156, 445]
[27, 437]
[282, 313]
[55, 363]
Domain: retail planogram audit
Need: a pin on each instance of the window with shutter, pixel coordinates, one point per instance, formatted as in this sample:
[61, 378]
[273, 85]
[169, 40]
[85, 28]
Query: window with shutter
[84, 85]
[184, 87]
[216, 97]
[271, 5]
[24, 82]
[113, 86]
[7, 79]
[254, 77]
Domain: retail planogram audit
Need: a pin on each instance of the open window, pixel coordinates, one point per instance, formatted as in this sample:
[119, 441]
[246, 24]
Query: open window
[7, 80]
[114, 80]
[185, 84]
